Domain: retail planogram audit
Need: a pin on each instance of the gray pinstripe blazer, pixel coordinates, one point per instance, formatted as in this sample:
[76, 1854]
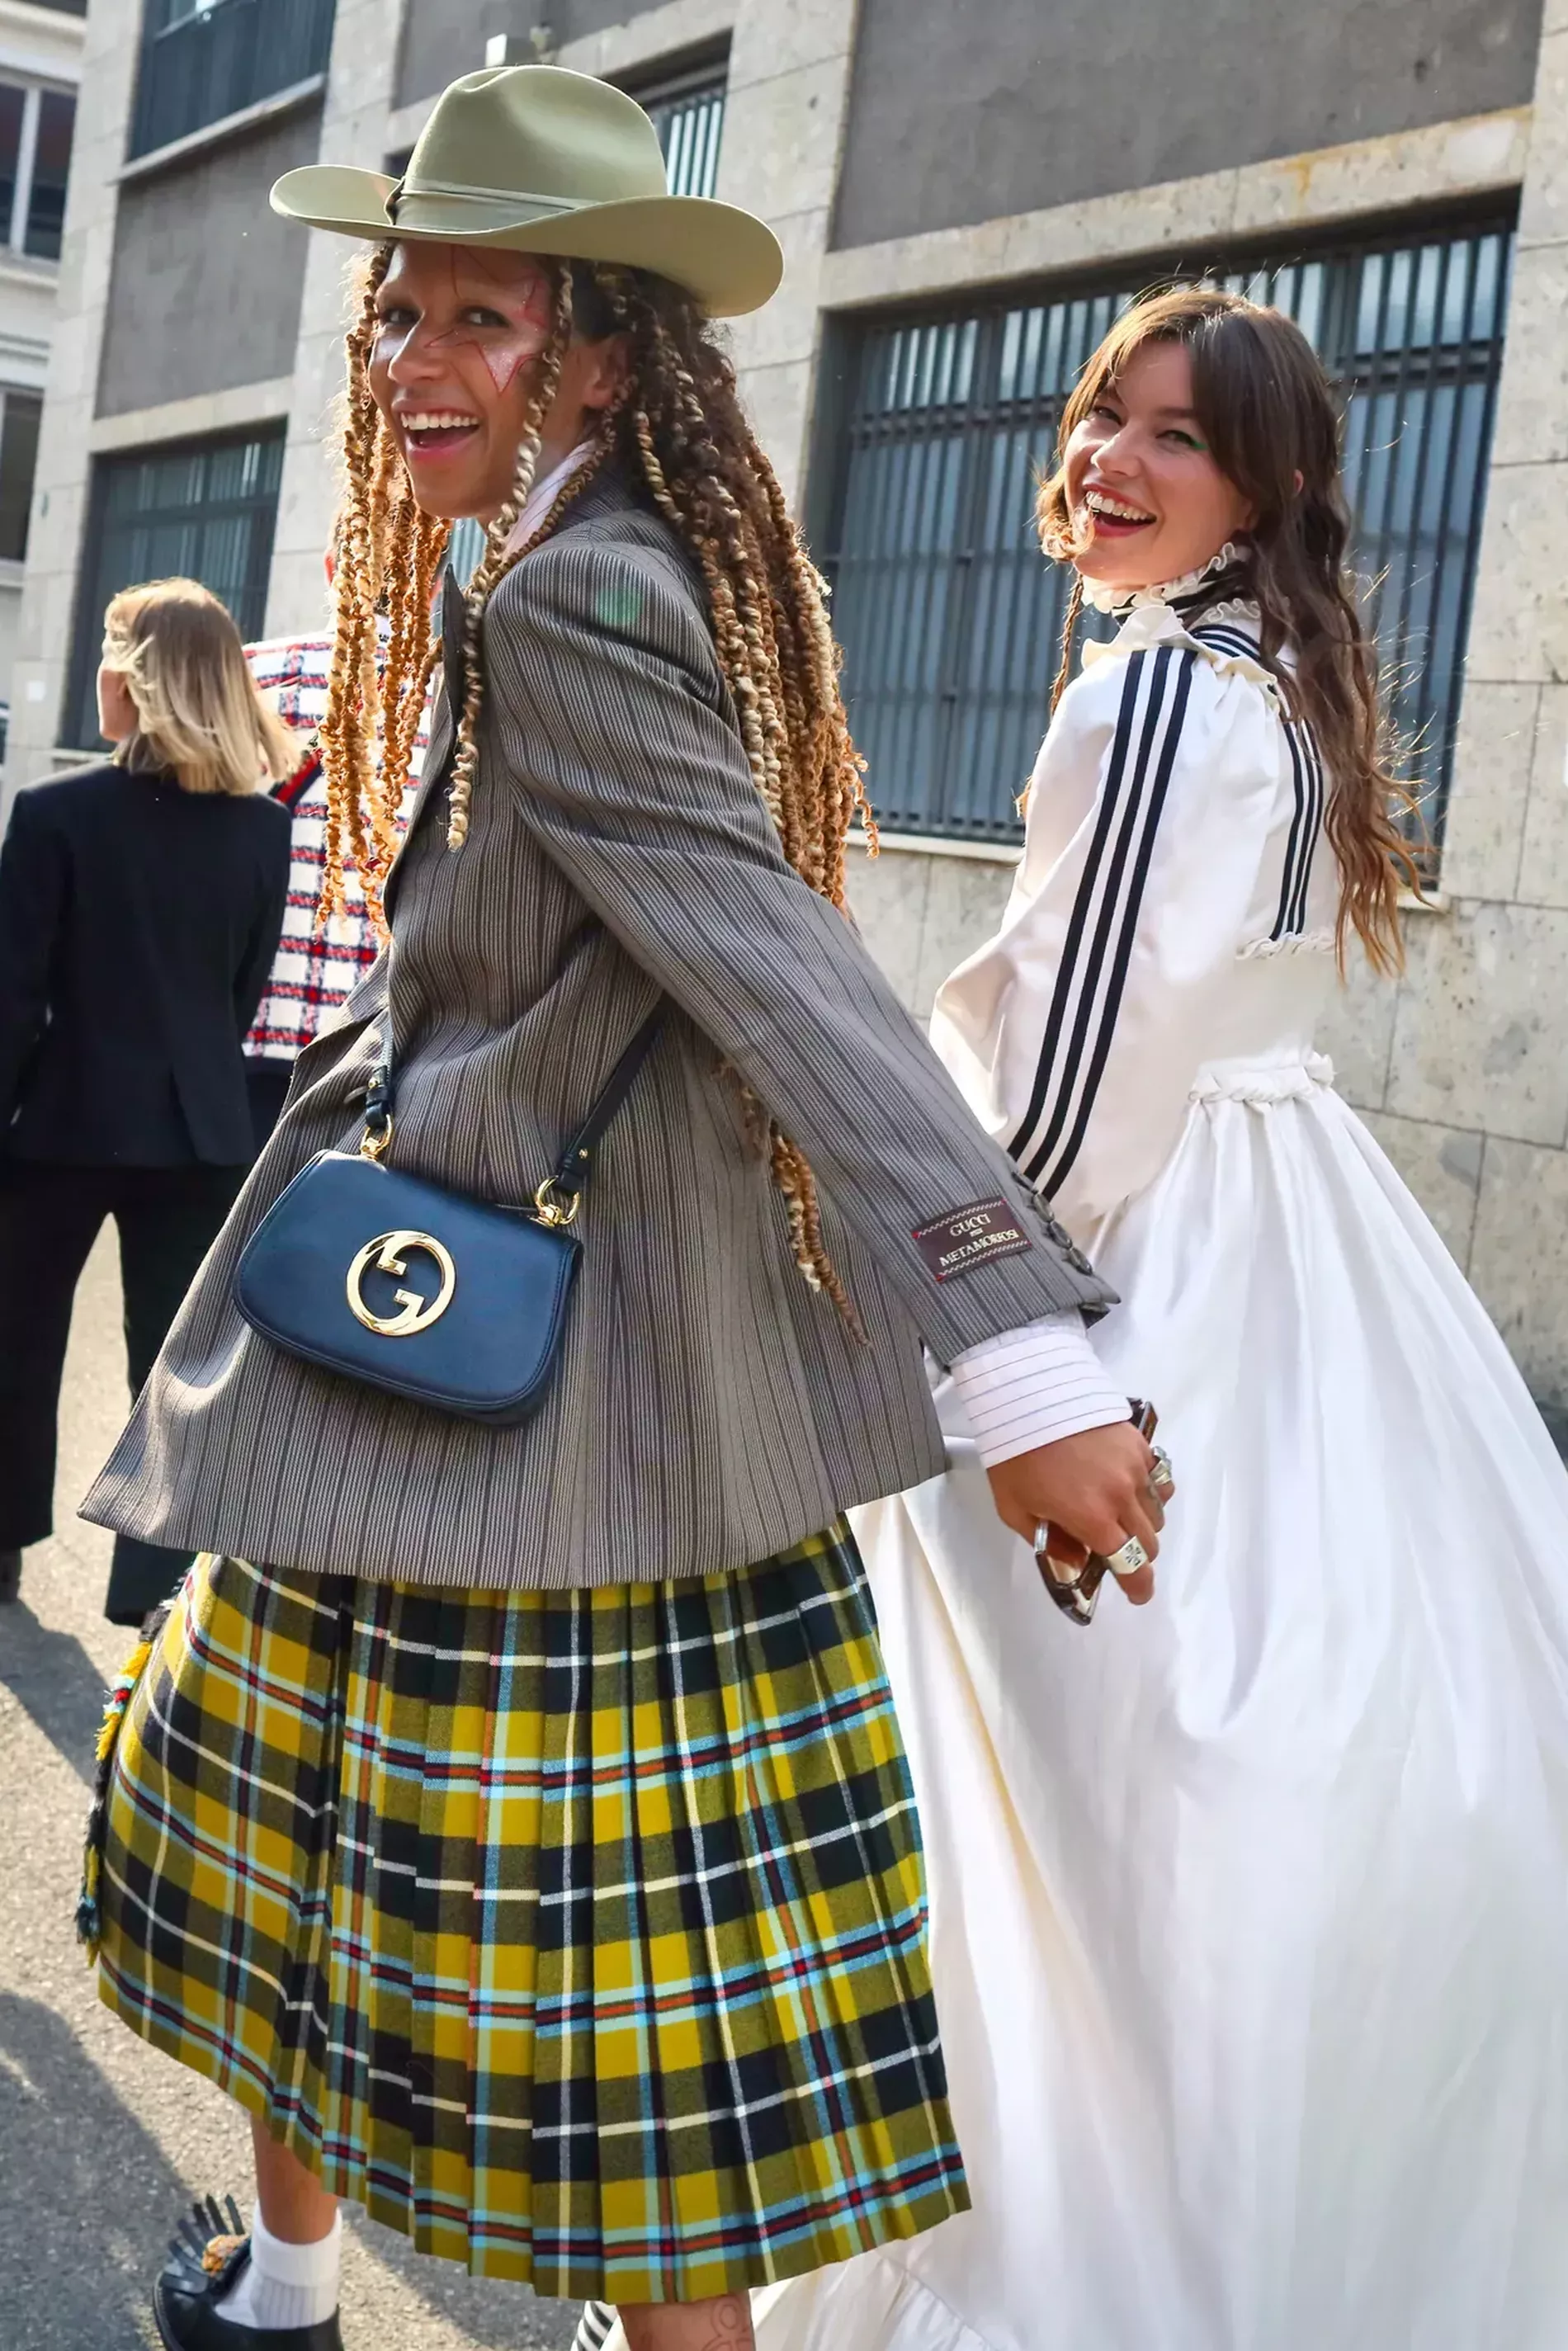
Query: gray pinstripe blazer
[709, 1409]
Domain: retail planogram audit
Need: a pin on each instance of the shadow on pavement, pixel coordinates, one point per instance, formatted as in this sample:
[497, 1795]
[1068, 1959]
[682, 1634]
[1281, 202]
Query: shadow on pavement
[497, 2312]
[101, 2197]
[55, 1682]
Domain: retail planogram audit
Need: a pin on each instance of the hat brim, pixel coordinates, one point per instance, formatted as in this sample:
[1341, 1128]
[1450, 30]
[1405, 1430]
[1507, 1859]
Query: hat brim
[729, 260]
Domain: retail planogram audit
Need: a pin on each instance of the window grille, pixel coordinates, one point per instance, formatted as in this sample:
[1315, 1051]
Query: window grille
[949, 616]
[204, 59]
[687, 111]
[197, 510]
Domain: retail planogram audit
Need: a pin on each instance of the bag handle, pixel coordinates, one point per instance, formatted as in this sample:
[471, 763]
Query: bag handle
[559, 1197]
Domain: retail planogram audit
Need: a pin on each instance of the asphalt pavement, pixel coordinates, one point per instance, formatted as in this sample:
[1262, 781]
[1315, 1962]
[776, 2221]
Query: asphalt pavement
[103, 2142]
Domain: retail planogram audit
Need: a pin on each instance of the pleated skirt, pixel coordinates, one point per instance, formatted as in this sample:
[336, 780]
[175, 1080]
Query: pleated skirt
[579, 1935]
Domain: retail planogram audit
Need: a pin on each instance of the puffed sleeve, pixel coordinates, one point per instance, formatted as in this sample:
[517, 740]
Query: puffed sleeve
[1077, 1033]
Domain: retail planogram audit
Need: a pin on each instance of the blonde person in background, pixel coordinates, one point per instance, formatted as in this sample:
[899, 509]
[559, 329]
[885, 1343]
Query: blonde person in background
[140, 902]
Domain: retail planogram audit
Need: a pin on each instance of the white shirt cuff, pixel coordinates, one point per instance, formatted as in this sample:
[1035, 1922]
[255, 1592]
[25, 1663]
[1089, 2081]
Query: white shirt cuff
[1034, 1386]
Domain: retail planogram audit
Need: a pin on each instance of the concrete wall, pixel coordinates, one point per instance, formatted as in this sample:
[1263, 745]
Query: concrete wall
[965, 114]
[204, 288]
[444, 38]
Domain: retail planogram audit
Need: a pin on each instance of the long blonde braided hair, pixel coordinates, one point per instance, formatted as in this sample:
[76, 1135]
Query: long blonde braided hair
[681, 427]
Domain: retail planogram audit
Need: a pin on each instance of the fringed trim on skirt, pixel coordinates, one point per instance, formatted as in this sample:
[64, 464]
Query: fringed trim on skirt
[120, 1692]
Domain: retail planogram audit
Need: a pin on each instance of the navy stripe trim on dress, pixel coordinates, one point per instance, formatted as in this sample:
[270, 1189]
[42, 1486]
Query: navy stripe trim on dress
[1306, 823]
[1309, 771]
[1226, 639]
[1092, 978]
[1307, 767]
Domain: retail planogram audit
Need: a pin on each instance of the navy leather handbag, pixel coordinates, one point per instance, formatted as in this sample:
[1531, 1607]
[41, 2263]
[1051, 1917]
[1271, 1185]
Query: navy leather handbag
[447, 1301]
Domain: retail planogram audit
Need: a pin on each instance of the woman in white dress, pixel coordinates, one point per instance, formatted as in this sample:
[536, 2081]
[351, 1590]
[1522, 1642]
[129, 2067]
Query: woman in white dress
[1250, 1908]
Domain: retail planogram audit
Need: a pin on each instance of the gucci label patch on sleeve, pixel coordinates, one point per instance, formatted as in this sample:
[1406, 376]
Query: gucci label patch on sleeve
[967, 1237]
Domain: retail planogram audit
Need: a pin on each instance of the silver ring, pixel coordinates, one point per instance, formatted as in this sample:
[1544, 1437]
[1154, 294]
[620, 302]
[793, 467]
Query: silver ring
[1128, 1558]
[1041, 1538]
[1160, 1478]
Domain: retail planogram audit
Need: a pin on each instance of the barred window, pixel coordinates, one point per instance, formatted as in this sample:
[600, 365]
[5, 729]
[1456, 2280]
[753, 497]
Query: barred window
[687, 112]
[948, 614]
[196, 509]
[202, 60]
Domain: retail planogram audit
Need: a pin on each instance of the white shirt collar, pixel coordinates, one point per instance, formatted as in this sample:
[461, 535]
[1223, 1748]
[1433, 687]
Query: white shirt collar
[543, 496]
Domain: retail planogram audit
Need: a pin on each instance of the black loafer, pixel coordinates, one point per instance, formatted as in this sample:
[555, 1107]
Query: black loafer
[206, 2262]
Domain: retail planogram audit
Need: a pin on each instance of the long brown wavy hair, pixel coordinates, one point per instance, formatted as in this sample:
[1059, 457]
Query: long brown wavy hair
[680, 430]
[1269, 415]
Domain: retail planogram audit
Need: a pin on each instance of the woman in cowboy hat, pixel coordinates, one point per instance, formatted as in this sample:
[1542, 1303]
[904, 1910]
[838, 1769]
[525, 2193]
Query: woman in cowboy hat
[512, 1814]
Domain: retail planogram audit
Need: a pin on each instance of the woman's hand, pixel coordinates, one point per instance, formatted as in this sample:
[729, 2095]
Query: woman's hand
[1092, 1491]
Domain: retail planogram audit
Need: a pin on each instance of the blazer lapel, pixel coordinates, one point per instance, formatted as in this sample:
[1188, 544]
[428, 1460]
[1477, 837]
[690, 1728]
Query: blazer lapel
[453, 623]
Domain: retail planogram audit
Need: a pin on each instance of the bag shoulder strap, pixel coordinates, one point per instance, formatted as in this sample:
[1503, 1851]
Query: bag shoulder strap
[571, 1171]
[572, 1167]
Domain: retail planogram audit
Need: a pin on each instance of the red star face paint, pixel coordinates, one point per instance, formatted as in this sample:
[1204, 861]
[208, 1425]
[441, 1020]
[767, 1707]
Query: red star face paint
[521, 301]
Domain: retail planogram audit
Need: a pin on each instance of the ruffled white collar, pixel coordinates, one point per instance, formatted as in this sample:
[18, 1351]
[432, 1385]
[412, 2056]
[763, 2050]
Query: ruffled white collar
[1103, 598]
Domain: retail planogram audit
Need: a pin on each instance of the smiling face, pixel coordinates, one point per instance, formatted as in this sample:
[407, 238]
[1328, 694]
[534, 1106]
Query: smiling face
[455, 361]
[1140, 479]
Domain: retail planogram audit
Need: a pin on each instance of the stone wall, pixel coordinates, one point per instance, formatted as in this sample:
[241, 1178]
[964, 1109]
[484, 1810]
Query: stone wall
[204, 287]
[1003, 105]
[444, 38]
[1473, 1046]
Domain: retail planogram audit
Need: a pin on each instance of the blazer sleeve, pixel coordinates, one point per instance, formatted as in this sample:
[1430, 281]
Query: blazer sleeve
[606, 708]
[33, 886]
[1077, 1033]
[266, 925]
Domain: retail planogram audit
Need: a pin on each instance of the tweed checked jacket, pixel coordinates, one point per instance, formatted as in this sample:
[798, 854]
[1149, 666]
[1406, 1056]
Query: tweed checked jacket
[708, 1409]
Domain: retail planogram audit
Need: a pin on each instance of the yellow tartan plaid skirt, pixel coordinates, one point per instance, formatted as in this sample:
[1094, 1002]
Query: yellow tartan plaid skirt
[580, 1935]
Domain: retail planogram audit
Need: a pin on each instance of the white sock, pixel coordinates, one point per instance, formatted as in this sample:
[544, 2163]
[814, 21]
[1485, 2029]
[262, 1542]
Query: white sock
[286, 2286]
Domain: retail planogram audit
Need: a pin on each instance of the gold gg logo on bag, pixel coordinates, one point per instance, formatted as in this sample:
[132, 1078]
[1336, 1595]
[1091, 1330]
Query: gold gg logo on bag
[389, 1254]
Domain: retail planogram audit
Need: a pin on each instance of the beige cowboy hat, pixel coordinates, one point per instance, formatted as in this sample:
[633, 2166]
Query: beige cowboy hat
[537, 160]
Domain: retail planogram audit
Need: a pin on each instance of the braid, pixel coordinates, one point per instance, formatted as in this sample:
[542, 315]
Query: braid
[687, 433]
[497, 562]
[1069, 627]
[389, 550]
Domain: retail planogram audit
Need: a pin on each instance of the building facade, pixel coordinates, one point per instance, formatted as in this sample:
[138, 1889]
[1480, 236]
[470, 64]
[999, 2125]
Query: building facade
[40, 68]
[964, 199]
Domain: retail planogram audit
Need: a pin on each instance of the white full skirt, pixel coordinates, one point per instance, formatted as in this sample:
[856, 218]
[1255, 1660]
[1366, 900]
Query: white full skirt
[1249, 1909]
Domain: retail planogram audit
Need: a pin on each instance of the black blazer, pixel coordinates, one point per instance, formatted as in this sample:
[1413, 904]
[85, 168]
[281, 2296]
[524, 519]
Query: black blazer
[138, 923]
